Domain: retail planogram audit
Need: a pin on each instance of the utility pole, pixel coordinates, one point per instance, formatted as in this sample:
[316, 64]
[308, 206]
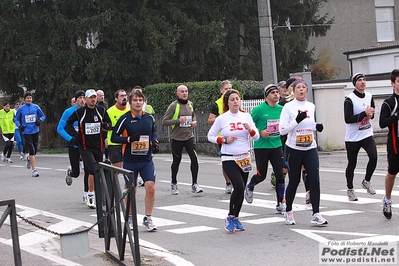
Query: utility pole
[269, 68]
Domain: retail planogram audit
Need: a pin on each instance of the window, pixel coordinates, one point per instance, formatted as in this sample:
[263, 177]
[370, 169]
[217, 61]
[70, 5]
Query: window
[385, 24]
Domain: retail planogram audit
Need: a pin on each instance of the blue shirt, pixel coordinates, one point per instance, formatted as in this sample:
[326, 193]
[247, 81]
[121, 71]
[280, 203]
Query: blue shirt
[27, 115]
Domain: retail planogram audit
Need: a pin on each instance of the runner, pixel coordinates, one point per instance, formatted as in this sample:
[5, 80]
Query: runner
[235, 127]
[7, 130]
[298, 121]
[217, 109]
[180, 117]
[28, 119]
[267, 148]
[136, 130]
[389, 117]
[92, 121]
[359, 110]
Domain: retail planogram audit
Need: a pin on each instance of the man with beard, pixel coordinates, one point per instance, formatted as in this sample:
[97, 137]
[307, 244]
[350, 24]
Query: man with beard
[114, 112]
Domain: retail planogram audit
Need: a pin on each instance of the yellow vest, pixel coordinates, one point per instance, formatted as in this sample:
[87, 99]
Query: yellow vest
[114, 114]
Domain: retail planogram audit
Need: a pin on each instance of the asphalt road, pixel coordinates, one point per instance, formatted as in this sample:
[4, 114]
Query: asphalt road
[191, 228]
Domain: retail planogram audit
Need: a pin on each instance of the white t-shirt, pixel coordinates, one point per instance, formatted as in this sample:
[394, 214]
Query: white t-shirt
[229, 124]
[300, 136]
[362, 129]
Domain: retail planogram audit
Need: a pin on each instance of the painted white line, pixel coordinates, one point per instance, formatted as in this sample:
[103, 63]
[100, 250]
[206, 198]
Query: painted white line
[271, 204]
[201, 211]
[264, 220]
[163, 253]
[194, 229]
[338, 198]
[340, 212]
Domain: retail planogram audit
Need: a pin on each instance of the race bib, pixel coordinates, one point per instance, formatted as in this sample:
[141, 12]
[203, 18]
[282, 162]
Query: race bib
[304, 138]
[141, 146]
[92, 128]
[364, 124]
[243, 160]
[188, 121]
[30, 118]
[272, 127]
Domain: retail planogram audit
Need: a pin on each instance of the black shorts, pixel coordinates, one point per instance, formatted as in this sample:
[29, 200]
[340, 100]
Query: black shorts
[115, 153]
[393, 162]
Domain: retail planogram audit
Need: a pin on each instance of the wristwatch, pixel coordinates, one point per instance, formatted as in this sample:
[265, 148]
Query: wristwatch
[224, 140]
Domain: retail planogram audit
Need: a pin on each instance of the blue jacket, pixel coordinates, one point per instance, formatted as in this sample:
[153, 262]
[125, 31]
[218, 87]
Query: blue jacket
[27, 115]
[61, 128]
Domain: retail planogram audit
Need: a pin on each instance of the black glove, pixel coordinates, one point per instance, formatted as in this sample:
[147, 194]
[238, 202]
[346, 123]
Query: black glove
[38, 122]
[300, 117]
[155, 146]
[135, 137]
[74, 141]
[106, 126]
[319, 127]
[21, 128]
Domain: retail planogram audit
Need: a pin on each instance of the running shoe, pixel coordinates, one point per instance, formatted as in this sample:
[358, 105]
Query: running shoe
[238, 225]
[230, 224]
[367, 185]
[27, 161]
[81, 165]
[195, 188]
[351, 195]
[387, 208]
[147, 222]
[229, 188]
[68, 177]
[248, 194]
[289, 218]
[280, 208]
[174, 189]
[90, 201]
[317, 219]
[35, 173]
[3, 158]
[9, 160]
[307, 197]
[273, 180]
[140, 181]
[130, 222]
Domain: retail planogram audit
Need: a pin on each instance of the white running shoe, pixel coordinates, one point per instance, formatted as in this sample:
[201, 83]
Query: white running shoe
[9, 160]
[140, 181]
[91, 201]
[367, 185]
[229, 188]
[174, 189]
[196, 189]
[351, 195]
[147, 222]
[68, 177]
[248, 194]
[317, 219]
[81, 165]
[289, 218]
[280, 208]
[130, 222]
[35, 173]
[3, 158]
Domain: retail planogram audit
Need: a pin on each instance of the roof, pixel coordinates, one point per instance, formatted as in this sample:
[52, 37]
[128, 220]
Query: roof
[380, 46]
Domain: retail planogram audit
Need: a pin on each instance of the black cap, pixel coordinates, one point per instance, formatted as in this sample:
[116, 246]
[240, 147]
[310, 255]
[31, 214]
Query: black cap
[79, 93]
[289, 82]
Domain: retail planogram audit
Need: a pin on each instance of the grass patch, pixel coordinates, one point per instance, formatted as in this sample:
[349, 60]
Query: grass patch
[54, 151]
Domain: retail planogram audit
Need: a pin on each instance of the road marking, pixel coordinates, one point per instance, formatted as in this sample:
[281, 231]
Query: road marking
[340, 212]
[264, 220]
[201, 211]
[194, 229]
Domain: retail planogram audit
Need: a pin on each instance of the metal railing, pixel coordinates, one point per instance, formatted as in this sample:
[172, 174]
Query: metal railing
[112, 207]
[10, 211]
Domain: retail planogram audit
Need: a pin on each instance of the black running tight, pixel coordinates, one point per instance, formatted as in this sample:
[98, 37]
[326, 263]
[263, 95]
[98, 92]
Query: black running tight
[352, 151]
[177, 150]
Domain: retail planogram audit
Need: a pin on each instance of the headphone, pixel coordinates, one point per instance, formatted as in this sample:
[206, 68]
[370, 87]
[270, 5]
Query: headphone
[227, 95]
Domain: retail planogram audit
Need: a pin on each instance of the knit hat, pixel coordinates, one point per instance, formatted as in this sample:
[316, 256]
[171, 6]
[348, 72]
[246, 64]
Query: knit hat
[357, 76]
[281, 84]
[79, 93]
[297, 81]
[269, 88]
[289, 82]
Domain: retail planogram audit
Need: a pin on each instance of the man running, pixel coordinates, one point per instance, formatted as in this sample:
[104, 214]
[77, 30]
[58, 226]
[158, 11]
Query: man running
[359, 110]
[136, 131]
[180, 117]
[92, 121]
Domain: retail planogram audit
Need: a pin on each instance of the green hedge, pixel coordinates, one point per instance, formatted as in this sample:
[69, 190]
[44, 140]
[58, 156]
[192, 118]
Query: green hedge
[203, 94]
